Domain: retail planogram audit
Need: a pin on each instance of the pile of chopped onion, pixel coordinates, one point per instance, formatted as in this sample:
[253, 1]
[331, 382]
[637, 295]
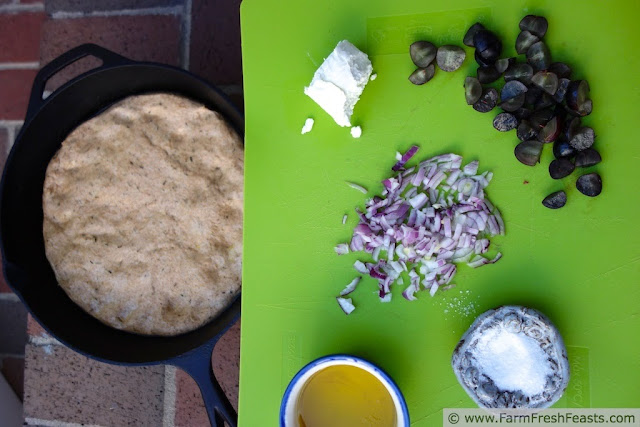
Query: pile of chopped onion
[428, 219]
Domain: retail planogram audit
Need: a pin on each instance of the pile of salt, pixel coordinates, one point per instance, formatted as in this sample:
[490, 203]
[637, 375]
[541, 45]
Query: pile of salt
[512, 357]
[513, 361]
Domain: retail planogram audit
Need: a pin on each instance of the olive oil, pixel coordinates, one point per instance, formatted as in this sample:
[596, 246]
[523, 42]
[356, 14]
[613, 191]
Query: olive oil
[345, 396]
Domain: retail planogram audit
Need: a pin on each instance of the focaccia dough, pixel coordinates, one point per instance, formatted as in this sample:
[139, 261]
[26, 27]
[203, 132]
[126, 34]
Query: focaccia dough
[143, 214]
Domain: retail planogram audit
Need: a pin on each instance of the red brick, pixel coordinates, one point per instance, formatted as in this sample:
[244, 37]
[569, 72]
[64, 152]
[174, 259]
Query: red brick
[20, 36]
[61, 384]
[15, 86]
[226, 362]
[190, 409]
[215, 41]
[144, 38]
[12, 368]
[34, 329]
[4, 288]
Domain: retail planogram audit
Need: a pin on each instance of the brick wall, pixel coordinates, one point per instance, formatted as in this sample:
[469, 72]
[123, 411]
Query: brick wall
[20, 25]
[60, 386]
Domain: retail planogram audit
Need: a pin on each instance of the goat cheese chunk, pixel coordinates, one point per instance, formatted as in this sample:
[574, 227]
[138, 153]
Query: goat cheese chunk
[338, 83]
[308, 125]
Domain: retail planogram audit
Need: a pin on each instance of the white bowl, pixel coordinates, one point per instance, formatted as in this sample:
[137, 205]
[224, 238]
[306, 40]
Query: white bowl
[288, 412]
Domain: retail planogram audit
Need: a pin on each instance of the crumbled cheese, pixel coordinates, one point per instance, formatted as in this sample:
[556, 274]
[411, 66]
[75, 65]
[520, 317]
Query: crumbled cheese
[308, 125]
[338, 83]
[356, 131]
[374, 76]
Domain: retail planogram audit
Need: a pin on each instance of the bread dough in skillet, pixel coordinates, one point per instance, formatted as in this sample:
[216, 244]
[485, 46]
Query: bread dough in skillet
[143, 214]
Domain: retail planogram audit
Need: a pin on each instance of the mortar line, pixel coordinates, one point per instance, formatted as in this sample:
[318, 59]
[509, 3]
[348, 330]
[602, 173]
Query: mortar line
[31, 65]
[8, 123]
[11, 138]
[185, 45]
[40, 341]
[169, 404]
[9, 296]
[168, 10]
[12, 355]
[12, 134]
[15, 8]
[55, 423]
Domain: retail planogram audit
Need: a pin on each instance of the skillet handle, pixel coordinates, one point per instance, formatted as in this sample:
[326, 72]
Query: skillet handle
[198, 365]
[108, 58]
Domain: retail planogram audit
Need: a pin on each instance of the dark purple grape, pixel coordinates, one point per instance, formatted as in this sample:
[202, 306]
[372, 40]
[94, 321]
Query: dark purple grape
[528, 152]
[555, 200]
[471, 32]
[563, 149]
[559, 168]
[589, 184]
[537, 25]
[504, 122]
[588, 157]
[488, 45]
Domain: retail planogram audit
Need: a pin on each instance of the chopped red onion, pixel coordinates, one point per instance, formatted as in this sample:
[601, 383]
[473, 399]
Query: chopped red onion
[427, 219]
[405, 158]
[409, 292]
[361, 267]
[471, 168]
[434, 288]
[386, 298]
[342, 249]
[376, 253]
[357, 187]
[419, 177]
[419, 200]
[351, 286]
[346, 304]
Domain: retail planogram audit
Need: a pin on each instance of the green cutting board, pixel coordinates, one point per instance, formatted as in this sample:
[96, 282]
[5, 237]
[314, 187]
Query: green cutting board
[579, 265]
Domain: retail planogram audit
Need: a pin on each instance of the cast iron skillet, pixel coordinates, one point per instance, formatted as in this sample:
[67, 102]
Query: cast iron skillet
[26, 268]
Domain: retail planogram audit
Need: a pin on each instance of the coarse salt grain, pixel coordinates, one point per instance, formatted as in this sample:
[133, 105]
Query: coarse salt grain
[514, 361]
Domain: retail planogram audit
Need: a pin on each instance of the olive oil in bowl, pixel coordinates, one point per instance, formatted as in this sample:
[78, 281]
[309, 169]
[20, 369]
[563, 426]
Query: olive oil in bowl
[345, 396]
[343, 391]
